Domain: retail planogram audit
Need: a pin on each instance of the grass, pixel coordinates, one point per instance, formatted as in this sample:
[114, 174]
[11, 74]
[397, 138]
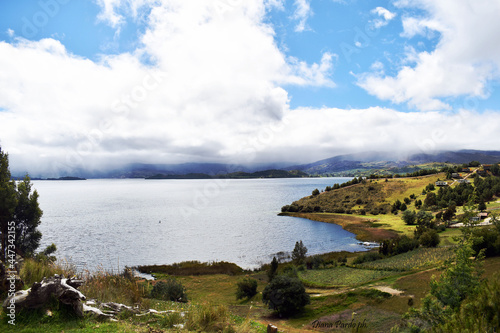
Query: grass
[34, 271]
[341, 276]
[417, 259]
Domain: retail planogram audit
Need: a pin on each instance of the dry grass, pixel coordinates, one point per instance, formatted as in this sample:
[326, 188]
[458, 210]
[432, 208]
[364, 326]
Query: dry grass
[34, 271]
[107, 287]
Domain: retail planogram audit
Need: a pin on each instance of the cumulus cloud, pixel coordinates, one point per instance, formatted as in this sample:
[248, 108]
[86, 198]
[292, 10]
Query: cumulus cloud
[464, 60]
[385, 17]
[217, 77]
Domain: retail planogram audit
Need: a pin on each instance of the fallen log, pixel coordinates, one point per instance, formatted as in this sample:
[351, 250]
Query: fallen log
[42, 292]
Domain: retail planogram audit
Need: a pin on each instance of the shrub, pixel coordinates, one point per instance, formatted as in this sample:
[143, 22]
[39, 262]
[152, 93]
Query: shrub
[169, 290]
[429, 238]
[246, 288]
[366, 257]
[285, 295]
[315, 192]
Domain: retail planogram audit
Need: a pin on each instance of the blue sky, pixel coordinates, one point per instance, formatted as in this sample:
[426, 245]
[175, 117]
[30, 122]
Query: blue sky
[168, 81]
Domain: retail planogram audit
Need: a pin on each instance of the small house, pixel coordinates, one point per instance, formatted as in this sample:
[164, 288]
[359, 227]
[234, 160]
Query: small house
[486, 167]
[463, 181]
[455, 175]
[441, 183]
[483, 215]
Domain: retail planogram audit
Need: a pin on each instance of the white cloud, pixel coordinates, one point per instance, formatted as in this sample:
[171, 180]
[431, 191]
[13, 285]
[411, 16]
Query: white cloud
[386, 17]
[466, 58]
[10, 32]
[302, 13]
[216, 81]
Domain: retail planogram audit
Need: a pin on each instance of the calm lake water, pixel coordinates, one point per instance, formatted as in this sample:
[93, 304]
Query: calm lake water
[113, 223]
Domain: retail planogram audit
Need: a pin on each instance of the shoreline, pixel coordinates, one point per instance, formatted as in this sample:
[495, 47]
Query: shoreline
[364, 228]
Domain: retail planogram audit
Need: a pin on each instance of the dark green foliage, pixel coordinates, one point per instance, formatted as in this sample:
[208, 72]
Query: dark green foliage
[418, 204]
[474, 164]
[19, 213]
[430, 200]
[314, 262]
[299, 253]
[315, 192]
[487, 239]
[271, 273]
[246, 288]
[193, 268]
[171, 290]
[409, 217]
[479, 314]
[429, 238]
[392, 247]
[366, 257]
[285, 295]
[407, 200]
[482, 206]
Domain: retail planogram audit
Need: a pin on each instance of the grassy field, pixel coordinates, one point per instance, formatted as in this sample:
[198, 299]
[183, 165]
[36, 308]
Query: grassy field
[341, 276]
[418, 259]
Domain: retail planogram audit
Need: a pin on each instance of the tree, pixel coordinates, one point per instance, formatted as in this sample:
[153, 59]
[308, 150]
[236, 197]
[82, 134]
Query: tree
[482, 206]
[429, 238]
[299, 252]
[430, 200]
[409, 217]
[20, 214]
[27, 218]
[8, 202]
[273, 269]
[315, 192]
[285, 295]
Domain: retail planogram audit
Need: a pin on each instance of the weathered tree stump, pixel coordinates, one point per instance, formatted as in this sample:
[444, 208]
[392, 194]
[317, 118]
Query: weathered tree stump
[41, 293]
[272, 329]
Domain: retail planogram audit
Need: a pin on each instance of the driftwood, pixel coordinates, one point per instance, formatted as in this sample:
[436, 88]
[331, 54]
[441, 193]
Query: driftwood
[41, 293]
[65, 290]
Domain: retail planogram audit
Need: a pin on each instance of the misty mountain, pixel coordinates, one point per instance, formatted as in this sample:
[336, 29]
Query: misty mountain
[380, 160]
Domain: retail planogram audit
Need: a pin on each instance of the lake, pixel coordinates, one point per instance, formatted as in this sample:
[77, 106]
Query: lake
[117, 222]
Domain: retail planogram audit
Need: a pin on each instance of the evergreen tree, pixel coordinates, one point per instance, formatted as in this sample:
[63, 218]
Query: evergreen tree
[8, 202]
[299, 252]
[273, 269]
[19, 214]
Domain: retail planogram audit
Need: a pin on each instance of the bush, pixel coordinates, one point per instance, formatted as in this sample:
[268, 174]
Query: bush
[429, 238]
[169, 290]
[366, 257]
[285, 295]
[246, 288]
[315, 192]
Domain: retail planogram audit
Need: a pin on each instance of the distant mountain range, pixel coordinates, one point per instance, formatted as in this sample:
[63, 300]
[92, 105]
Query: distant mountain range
[352, 164]
[398, 163]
